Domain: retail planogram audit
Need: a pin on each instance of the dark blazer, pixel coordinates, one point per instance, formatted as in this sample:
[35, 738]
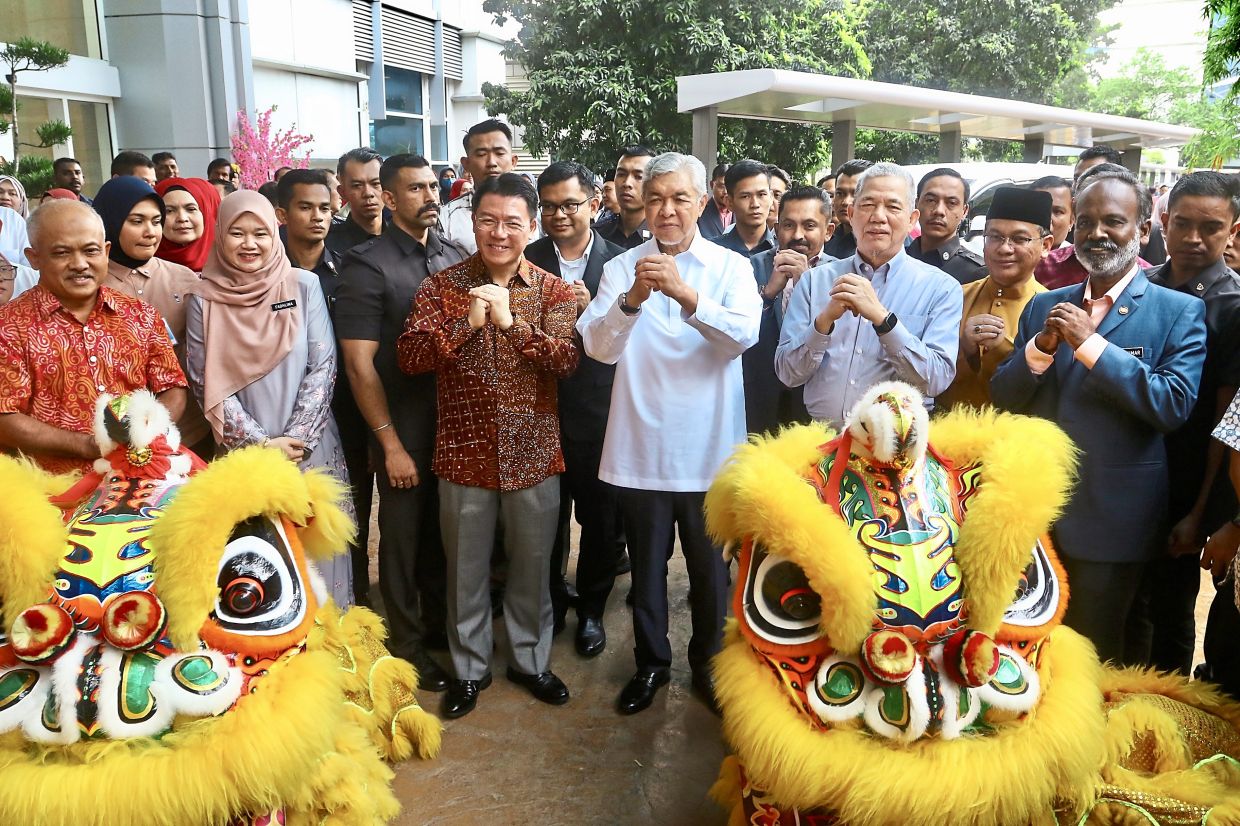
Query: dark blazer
[710, 223]
[585, 396]
[1143, 386]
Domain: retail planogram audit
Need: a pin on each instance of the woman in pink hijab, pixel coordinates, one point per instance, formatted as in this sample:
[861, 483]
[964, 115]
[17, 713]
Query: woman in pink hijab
[260, 352]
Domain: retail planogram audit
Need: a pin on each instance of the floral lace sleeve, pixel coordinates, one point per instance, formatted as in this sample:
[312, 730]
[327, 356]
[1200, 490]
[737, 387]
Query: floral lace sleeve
[314, 395]
[240, 428]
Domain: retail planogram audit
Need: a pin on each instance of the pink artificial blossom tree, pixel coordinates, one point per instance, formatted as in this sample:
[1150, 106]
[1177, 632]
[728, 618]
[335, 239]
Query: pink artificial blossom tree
[258, 153]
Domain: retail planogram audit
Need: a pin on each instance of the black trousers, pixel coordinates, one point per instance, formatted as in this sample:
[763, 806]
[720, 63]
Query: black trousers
[1100, 596]
[1222, 640]
[413, 576]
[354, 444]
[650, 520]
[598, 516]
[1162, 625]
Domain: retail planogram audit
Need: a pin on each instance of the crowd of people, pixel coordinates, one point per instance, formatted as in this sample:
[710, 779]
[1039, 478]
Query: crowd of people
[496, 355]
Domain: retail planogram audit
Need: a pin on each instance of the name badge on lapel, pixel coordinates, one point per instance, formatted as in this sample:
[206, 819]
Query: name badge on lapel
[1139, 352]
[284, 305]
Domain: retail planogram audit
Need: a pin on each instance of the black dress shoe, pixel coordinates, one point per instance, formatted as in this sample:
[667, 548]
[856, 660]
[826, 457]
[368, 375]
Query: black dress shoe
[546, 687]
[639, 693]
[704, 688]
[462, 696]
[431, 677]
[591, 638]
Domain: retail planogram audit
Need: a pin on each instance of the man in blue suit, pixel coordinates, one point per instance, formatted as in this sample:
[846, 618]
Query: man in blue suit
[1116, 362]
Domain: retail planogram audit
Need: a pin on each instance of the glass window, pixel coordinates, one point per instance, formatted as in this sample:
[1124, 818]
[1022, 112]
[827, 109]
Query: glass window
[69, 24]
[402, 90]
[396, 134]
[31, 114]
[92, 141]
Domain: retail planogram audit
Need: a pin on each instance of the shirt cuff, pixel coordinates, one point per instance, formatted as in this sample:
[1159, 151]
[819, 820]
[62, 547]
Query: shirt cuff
[1091, 350]
[520, 332]
[1037, 361]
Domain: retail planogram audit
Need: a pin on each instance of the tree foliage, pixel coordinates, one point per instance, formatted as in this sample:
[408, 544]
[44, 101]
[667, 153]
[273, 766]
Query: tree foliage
[1223, 42]
[1146, 88]
[29, 55]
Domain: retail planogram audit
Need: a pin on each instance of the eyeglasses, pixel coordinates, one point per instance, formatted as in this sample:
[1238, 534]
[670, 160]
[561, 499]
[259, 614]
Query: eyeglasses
[993, 239]
[568, 207]
[487, 224]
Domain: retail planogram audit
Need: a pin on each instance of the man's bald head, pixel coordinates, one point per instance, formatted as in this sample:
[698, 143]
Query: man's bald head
[55, 215]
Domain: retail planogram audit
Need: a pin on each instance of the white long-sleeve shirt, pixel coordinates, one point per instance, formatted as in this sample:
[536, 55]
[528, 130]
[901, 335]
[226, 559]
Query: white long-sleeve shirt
[678, 402]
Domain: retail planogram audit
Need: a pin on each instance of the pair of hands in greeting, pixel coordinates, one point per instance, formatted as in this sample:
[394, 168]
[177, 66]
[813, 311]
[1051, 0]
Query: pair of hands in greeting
[851, 293]
[659, 273]
[1065, 323]
[490, 301]
[789, 265]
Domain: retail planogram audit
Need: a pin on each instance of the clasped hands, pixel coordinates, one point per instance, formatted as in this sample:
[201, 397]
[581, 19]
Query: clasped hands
[490, 301]
[659, 273]
[1065, 323]
[854, 294]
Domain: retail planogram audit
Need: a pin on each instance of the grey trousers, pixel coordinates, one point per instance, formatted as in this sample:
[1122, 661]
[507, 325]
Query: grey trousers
[468, 517]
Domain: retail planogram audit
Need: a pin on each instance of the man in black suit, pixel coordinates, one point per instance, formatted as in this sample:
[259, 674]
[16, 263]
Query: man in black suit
[576, 253]
[717, 216]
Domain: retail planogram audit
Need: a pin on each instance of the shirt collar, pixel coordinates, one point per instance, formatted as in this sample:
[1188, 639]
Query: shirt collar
[891, 267]
[1198, 285]
[120, 270]
[48, 304]
[478, 271]
[585, 256]
[1114, 293]
[1018, 291]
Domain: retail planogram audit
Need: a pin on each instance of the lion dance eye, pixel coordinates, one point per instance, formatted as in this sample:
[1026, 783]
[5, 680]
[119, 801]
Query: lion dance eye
[786, 588]
[243, 596]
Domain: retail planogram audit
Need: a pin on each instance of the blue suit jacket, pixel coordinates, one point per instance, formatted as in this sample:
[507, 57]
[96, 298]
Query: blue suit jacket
[1142, 386]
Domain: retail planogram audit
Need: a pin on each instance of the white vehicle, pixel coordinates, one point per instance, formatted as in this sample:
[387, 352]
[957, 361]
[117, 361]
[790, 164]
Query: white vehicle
[984, 178]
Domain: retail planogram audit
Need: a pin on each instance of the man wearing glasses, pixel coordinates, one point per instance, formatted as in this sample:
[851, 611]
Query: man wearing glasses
[576, 253]
[1018, 236]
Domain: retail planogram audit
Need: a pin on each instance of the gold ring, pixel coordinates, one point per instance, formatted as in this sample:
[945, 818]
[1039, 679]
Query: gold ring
[977, 328]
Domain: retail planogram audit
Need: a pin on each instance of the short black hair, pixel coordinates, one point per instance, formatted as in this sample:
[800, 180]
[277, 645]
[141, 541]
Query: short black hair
[160, 157]
[636, 150]
[853, 168]
[775, 172]
[1115, 172]
[284, 169]
[561, 171]
[127, 161]
[822, 182]
[805, 192]
[268, 191]
[1051, 182]
[719, 171]
[362, 155]
[393, 165]
[609, 175]
[508, 185]
[300, 177]
[486, 127]
[59, 162]
[1099, 151]
[1208, 184]
[217, 163]
[743, 170]
[943, 172]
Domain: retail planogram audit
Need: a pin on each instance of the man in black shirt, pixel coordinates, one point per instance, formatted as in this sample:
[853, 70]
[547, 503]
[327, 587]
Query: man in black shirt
[358, 171]
[1203, 213]
[748, 184]
[943, 201]
[843, 243]
[630, 230]
[380, 279]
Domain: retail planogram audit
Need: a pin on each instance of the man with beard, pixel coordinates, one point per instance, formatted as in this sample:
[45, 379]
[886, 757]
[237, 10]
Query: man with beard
[1116, 362]
[805, 224]
[380, 278]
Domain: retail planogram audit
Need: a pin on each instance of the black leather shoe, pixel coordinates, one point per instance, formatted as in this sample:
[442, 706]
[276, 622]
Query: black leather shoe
[431, 677]
[704, 688]
[546, 687]
[639, 693]
[591, 638]
[462, 696]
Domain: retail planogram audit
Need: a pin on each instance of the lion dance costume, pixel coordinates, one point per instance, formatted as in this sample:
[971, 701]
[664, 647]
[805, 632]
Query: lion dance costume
[172, 656]
[896, 655]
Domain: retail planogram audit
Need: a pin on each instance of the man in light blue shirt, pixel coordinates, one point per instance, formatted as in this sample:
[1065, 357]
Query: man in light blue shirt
[876, 316]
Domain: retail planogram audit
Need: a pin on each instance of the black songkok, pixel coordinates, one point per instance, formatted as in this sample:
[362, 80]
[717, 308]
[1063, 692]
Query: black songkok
[1033, 206]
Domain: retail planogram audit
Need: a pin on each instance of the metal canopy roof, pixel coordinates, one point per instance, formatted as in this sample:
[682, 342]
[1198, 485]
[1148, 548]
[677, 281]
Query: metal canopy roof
[802, 97]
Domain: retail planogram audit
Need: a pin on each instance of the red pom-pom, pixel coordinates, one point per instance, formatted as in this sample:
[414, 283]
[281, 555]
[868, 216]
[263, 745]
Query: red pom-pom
[970, 658]
[41, 633]
[888, 657]
[133, 621]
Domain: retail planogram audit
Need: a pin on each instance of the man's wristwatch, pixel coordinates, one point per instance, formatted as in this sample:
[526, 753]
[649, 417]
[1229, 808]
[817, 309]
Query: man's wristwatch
[624, 305]
[889, 324]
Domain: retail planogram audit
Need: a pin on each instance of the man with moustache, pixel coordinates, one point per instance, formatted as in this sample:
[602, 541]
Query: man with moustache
[749, 193]
[1017, 236]
[1203, 213]
[488, 154]
[943, 201]
[673, 315]
[630, 230]
[378, 283]
[304, 209]
[843, 243]
[577, 254]
[805, 224]
[358, 172]
[1116, 362]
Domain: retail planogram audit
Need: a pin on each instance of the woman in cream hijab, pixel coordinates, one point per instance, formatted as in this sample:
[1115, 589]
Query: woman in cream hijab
[261, 356]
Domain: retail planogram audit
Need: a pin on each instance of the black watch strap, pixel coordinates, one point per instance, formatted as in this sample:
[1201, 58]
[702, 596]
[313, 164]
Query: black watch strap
[889, 324]
[624, 305]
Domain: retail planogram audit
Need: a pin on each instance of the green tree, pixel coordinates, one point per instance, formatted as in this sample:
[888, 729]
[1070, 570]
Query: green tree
[1146, 88]
[1223, 42]
[29, 55]
[1219, 141]
[602, 73]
